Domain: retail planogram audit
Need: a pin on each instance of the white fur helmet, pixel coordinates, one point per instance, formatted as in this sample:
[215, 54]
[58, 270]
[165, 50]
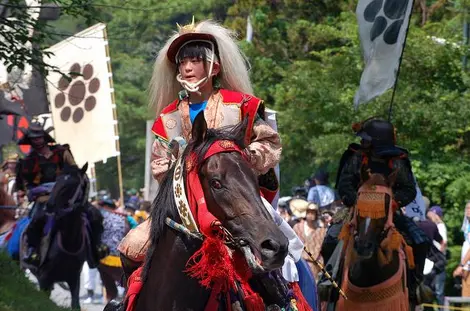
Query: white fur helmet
[224, 50]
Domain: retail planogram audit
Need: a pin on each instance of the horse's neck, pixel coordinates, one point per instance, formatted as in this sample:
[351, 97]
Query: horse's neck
[71, 226]
[168, 287]
[368, 273]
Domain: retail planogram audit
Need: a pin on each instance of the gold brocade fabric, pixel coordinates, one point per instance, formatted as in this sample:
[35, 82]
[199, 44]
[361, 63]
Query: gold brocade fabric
[135, 244]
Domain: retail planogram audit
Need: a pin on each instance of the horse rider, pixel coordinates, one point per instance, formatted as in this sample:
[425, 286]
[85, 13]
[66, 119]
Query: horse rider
[35, 177]
[378, 153]
[203, 68]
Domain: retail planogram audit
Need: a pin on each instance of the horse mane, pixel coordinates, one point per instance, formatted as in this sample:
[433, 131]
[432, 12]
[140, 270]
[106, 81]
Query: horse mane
[164, 205]
[232, 133]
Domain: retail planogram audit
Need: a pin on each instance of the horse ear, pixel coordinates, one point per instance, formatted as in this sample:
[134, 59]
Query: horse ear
[199, 129]
[239, 132]
[84, 168]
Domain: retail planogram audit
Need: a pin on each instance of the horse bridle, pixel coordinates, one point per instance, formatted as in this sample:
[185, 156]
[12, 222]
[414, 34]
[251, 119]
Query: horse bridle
[189, 226]
[81, 190]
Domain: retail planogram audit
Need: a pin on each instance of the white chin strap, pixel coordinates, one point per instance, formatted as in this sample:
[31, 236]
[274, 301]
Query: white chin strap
[194, 87]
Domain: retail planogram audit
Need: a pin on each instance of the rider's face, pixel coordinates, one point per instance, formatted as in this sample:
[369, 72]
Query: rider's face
[37, 142]
[192, 69]
[467, 210]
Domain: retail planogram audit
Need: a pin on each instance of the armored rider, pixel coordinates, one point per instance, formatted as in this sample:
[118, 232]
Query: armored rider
[379, 153]
[35, 176]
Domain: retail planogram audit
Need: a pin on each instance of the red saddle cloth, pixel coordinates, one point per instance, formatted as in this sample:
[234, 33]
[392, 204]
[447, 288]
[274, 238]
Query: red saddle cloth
[134, 286]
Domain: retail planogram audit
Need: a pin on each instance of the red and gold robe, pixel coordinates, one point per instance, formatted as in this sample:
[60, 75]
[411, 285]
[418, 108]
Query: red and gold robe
[224, 108]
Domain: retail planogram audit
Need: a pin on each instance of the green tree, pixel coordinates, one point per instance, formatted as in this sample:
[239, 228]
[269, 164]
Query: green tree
[24, 30]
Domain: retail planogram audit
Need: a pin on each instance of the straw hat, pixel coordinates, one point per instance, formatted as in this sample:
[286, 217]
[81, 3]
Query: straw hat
[299, 207]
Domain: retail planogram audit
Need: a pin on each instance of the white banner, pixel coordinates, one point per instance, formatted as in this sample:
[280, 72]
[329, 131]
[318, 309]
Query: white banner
[82, 109]
[417, 208]
[382, 30]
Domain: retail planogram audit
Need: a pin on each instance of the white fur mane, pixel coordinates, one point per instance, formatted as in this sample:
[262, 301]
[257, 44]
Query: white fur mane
[164, 87]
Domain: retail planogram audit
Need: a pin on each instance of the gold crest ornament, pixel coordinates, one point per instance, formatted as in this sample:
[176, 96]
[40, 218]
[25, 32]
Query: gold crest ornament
[187, 28]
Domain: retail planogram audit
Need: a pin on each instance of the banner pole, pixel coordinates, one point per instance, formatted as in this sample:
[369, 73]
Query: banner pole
[399, 64]
[116, 128]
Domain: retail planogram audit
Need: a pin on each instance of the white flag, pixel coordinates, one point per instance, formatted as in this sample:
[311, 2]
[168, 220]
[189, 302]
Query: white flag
[249, 30]
[382, 29]
[82, 109]
[417, 208]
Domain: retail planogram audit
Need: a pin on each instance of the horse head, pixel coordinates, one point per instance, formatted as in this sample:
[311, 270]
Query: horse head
[232, 194]
[373, 212]
[70, 190]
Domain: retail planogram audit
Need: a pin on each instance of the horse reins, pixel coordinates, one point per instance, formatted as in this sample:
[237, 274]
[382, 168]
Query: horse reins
[72, 201]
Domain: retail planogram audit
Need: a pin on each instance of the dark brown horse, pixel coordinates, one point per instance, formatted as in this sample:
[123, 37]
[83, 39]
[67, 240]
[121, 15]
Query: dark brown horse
[67, 252]
[233, 196]
[375, 268]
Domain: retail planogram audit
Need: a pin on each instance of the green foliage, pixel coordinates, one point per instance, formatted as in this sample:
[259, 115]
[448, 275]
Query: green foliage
[17, 293]
[17, 47]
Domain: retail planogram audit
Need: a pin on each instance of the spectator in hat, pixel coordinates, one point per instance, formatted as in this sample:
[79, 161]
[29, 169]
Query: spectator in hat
[320, 194]
[116, 226]
[311, 231]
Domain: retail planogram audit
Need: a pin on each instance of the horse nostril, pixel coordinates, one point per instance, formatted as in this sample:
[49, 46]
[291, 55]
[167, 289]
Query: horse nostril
[270, 246]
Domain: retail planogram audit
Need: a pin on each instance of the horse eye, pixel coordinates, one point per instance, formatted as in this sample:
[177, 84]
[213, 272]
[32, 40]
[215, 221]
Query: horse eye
[216, 184]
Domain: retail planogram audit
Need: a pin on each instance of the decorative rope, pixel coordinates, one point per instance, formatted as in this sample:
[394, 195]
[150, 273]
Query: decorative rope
[393, 242]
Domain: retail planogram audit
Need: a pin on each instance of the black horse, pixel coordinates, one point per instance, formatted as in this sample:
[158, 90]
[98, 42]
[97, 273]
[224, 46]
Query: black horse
[70, 242]
[232, 195]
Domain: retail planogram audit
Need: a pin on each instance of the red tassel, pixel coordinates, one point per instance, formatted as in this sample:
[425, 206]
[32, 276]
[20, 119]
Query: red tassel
[302, 304]
[211, 265]
[253, 301]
